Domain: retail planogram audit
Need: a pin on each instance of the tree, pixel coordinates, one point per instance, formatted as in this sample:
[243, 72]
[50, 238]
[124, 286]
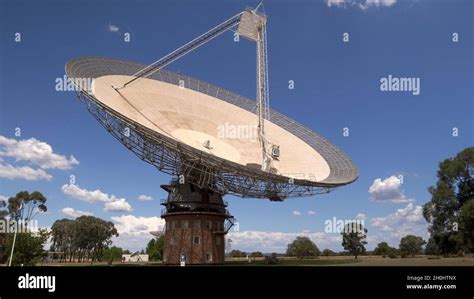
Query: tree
[64, 238]
[453, 190]
[93, 235]
[432, 248]
[270, 260]
[28, 247]
[3, 204]
[151, 251]
[327, 252]
[3, 236]
[86, 237]
[302, 247]
[237, 253]
[25, 206]
[111, 254]
[354, 238]
[22, 208]
[411, 245]
[384, 250]
[154, 249]
[256, 254]
[467, 225]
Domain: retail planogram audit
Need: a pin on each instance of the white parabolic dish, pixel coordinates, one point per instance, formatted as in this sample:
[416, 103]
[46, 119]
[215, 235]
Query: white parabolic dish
[195, 118]
[213, 121]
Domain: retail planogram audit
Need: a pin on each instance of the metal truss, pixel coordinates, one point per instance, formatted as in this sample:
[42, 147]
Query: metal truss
[187, 48]
[198, 167]
[179, 159]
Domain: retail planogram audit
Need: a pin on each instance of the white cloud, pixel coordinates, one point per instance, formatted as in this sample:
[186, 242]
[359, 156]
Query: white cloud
[362, 4]
[388, 190]
[405, 221]
[145, 198]
[296, 213]
[130, 224]
[278, 241]
[72, 213]
[338, 3]
[111, 202]
[389, 229]
[113, 28]
[77, 192]
[11, 172]
[36, 152]
[134, 232]
[120, 205]
[311, 212]
[376, 3]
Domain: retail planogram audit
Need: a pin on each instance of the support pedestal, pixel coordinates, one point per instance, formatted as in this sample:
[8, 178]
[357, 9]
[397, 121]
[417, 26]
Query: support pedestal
[196, 224]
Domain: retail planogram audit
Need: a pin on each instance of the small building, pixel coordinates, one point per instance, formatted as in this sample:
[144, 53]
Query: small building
[134, 258]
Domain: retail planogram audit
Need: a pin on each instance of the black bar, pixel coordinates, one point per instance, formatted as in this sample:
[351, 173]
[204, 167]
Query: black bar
[141, 281]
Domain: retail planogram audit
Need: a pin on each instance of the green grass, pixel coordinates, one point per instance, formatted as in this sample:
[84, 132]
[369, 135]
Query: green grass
[294, 262]
[244, 263]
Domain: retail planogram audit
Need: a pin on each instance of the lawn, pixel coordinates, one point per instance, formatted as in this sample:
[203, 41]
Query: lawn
[370, 261]
[293, 262]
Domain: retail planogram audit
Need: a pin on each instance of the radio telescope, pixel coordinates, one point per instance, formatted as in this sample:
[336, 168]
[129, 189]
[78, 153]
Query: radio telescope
[212, 141]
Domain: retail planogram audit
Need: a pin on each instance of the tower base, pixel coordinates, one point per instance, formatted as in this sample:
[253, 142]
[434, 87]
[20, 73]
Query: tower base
[196, 224]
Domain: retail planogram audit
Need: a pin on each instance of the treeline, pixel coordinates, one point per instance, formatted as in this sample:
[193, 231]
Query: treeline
[450, 214]
[303, 248]
[84, 239]
[238, 253]
[410, 245]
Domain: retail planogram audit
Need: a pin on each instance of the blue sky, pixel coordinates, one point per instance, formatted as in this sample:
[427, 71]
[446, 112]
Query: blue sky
[337, 85]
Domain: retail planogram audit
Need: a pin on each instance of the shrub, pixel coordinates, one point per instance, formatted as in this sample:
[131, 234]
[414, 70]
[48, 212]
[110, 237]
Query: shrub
[271, 260]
